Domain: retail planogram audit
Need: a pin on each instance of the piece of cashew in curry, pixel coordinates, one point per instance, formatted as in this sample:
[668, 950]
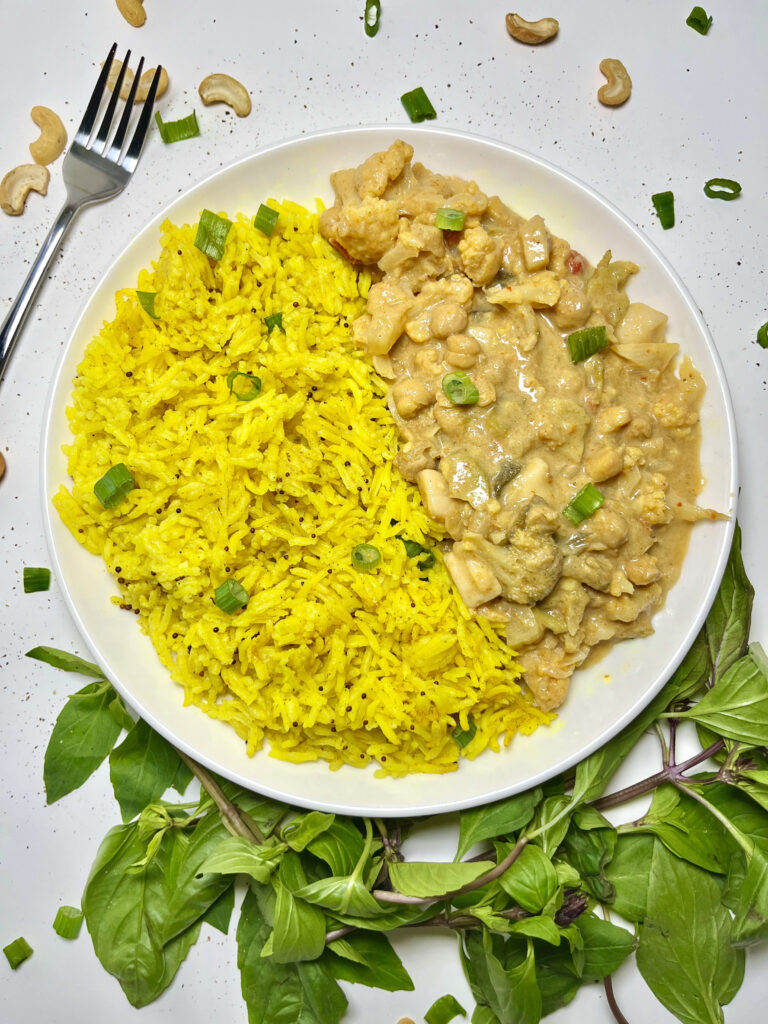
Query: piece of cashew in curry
[18, 183]
[220, 88]
[533, 32]
[53, 136]
[619, 85]
[133, 11]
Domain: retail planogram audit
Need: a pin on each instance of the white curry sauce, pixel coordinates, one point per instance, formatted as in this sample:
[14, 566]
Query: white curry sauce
[496, 301]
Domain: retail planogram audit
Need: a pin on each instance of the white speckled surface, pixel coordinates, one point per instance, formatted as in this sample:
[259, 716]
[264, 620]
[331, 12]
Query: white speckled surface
[697, 111]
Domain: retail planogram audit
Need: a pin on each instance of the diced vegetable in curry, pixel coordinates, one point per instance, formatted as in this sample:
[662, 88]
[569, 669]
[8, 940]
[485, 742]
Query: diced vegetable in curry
[504, 422]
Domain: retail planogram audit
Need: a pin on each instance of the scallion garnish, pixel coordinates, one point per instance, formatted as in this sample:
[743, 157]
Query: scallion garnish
[176, 131]
[114, 485]
[36, 579]
[254, 385]
[372, 17]
[417, 105]
[67, 922]
[265, 219]
[699, 20]
[584, 343]
[147, 302]
[230, 595]
[664, 205]
[450, 220]
[460, 389]
[722, 188]
[365, 557]
[464, 736]
[762, 336]
[17, 952]
[413, 549]
[273, 321]
[584, 504]
[212, 234]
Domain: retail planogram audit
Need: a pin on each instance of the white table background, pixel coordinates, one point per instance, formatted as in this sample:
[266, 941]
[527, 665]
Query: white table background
[697, 111]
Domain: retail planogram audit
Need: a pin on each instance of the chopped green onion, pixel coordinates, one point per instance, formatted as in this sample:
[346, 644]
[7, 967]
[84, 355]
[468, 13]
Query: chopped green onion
[699, 20]
[365, 557]
[584, 504]
[17, 952]
[253, 390]
[273, 321]
[413, 549]
[212, 234]
[722, 188]
[460, 389]
[114, 485]
[147, 300]
[664, 204]
[372, 17]
[231, 595]
[584, 343]
[176, 131]
[762, 336]
[417, 105]
[265, 219]
[450, 220]
[462, 738]
[67, 922]
[446, 1007]
[36, 579]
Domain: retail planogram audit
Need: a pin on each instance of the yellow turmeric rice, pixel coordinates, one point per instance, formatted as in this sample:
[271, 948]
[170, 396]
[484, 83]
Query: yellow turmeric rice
[274, 492]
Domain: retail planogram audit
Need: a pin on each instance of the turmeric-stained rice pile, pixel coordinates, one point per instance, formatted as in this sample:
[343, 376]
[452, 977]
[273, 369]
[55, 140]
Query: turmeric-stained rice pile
[325, 661]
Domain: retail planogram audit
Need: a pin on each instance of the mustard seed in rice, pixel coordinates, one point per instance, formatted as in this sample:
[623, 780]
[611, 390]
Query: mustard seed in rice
[274, 492]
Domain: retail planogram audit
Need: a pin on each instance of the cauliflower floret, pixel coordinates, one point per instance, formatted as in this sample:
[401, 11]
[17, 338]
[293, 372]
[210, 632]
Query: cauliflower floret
[378, 329]
[365, 231]
[372, 178]
[540, 290]
[651, 503]
[480, 255]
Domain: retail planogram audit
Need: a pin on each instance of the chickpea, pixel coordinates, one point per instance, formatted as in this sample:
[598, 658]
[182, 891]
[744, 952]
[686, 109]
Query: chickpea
[487, 392]
[573, 307]
[411, 396]
[604, 464]
[462, 351]
[448, 318]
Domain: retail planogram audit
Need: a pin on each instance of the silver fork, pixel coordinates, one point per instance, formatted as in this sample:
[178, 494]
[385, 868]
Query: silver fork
[94, 169]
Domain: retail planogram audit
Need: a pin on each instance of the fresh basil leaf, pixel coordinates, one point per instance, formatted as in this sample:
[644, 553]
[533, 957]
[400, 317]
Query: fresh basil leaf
[367, 958]
[727, 625]
[556, 977]
[274, 993]
[606, 946]
[256, 810]
[142, 768]
[298, 928]
[498, 819]
[688, 829]
[737, 707]
[542, 927]
[590, 851]
[219, 914]
[418, 878]
[82, 737]
[526, 996]
[388, 920]
[628, 874]
[340, 846]
[531, 880]
[685, 953]
[342, 895]
[484, 1015]
[120, 714]
[444, 1010]
[68, 662]
[758, 791]
[551, 820]
[238, 856]
[301, 830]
[511, 995]
[751, 912]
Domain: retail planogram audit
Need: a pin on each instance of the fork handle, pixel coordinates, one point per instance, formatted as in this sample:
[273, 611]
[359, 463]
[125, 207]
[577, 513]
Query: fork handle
[22, 304]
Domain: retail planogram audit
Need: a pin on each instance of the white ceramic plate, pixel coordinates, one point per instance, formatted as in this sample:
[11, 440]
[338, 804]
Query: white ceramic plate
[603, 698]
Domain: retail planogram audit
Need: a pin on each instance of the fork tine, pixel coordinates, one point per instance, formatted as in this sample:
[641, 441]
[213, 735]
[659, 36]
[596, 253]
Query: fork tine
[142, 128]
[103, 132]
[89, 118]
[113, 153]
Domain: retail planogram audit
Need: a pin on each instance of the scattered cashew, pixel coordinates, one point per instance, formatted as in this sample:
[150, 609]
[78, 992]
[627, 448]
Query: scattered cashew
[145, 81]
[619, 85]
[2, 466]
[17, 184]
[53, 136]
[133, 11]
[225, 89]
[533, 32]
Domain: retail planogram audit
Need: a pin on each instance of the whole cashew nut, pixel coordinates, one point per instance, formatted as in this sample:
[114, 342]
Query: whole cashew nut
[225, 89]
[619, 85]
[18, 183]
[2, 466]
[53, 136]
[533, 32]
[145, 81]
[133, 11]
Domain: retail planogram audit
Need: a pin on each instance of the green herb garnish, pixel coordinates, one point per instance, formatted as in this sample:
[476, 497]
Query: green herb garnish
[147, 302]
[699, 20]
[212, 234]
[36, 579]
[464, 736]
[586, 342]
[460, 388]
[664, 205]
[584, 504]
[275, 320]
[722, 188]
[444, 1010]
[413, 550]
[176, 131]
[372, 17]
[230, 596]
[116, 483]
[17, 952]
[417, 105]
[250, 385]
[450, 220]
[265, 219]
[762, 336]
[365, 557]
[67, 922]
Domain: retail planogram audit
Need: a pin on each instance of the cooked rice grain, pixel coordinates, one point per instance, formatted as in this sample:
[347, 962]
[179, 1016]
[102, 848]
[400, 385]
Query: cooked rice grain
[325, 661]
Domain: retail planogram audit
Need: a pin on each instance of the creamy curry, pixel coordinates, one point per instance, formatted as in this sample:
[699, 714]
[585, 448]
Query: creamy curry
[492, 305]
